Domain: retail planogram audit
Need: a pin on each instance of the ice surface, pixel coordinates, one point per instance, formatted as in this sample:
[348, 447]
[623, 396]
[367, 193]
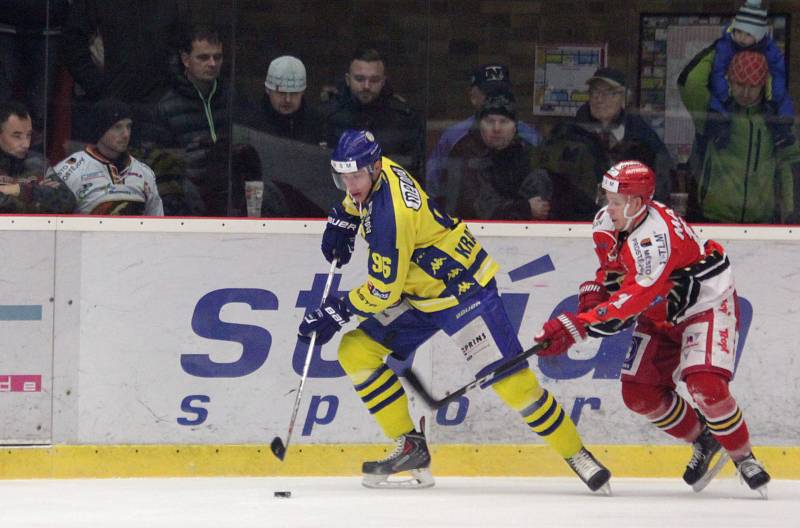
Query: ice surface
[342, 502]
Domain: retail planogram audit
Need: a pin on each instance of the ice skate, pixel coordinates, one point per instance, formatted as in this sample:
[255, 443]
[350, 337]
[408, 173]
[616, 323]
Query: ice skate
[752, 473]
[697, 473]
[590, 471]
[411, 455]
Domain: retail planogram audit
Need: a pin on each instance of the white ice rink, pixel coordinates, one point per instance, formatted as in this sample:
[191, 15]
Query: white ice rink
[342, 502]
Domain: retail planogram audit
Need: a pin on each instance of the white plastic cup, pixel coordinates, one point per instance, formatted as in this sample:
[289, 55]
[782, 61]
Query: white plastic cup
[254, 194]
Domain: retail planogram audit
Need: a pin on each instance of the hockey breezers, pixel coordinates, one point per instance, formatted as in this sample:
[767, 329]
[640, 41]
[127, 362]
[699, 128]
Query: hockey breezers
[483, 380]
[278, 446]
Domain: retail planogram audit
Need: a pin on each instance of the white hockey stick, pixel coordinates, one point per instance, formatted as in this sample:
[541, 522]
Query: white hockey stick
[278, 446]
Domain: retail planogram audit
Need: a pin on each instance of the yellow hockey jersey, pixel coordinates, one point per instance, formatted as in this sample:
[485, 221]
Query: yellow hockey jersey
[416, 252]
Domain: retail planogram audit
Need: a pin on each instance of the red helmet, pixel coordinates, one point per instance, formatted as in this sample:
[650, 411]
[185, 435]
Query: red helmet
[632, 178]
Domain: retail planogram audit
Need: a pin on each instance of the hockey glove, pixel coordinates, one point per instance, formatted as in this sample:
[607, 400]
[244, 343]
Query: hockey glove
[591, 293]
[561, 333]
[339, 238]
[325, 321]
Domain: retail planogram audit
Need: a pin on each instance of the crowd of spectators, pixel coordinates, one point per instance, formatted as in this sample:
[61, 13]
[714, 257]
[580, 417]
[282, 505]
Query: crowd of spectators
[156, 128]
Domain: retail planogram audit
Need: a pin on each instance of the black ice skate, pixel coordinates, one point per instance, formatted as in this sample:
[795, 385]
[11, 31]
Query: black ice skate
[753, 474]
[591, 472]
[411, 454]
[697, 473]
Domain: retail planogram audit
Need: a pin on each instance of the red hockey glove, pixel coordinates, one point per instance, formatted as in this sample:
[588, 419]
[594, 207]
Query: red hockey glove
[591, 293]
[561, 333]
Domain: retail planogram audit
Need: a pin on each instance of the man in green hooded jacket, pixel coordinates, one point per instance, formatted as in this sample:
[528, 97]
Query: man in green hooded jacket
[739, 175]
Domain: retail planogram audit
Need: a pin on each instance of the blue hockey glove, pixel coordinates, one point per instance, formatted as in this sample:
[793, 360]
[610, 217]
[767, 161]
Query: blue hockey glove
[325, 321]
[339, 238]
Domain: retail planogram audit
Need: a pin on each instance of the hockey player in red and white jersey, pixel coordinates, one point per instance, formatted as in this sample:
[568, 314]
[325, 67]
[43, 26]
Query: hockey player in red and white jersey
[679, 291]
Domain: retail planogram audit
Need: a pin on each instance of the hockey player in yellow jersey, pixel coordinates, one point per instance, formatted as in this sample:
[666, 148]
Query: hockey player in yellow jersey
[426, 273]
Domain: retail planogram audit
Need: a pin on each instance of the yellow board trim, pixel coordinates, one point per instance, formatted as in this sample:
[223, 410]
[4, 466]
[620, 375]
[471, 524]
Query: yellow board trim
[524, 460]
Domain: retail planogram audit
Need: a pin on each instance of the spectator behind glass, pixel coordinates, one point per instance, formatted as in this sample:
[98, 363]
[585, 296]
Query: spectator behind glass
[489, 79]
[488, 173]
[577, 153]
[194, 116]
[368, 102]
[746, 179]
[22, 189]
[30, 41]
[104, 177]
[283, 110]
[749, 31]
[119, 49]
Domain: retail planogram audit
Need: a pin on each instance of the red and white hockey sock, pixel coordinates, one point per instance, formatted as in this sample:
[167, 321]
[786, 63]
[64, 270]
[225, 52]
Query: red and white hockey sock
[665, 409]
[722, 413]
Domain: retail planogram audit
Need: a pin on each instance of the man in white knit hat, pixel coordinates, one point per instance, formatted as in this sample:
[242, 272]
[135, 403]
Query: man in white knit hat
[284, 112]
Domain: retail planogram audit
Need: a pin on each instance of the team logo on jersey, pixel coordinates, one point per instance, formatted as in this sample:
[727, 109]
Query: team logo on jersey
[408, 190]
[661, 247]
[724, 334]
[375, 292]
[646, 242]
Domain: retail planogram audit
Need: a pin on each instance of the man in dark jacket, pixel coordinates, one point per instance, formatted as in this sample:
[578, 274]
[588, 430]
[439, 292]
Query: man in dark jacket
[284, 111]
[119, 49]
[577, 153]
[22, 189]
[488, 172]
[194, 116]
[367, 102]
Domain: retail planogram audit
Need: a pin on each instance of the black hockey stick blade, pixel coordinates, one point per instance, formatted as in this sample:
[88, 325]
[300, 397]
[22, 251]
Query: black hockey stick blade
[487, 377]
[278, 449]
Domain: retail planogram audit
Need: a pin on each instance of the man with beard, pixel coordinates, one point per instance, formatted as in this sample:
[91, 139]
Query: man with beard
[367, 102]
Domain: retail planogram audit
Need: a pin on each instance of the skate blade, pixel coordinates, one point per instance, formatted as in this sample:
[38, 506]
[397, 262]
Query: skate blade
[605, 489]
[763, 492]
[419, 479]
[712, 472]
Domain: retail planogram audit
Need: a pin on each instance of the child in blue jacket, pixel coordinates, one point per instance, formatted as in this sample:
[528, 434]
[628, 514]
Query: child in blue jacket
[748, 31]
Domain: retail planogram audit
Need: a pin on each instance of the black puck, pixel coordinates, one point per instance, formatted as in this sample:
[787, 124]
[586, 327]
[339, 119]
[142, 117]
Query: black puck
[283, 494]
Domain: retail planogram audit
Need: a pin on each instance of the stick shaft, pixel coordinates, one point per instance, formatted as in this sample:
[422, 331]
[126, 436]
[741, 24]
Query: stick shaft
[307, 362]
[487, 377]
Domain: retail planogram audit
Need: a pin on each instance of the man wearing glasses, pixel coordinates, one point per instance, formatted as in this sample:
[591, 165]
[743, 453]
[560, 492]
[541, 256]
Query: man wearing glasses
[576, 154]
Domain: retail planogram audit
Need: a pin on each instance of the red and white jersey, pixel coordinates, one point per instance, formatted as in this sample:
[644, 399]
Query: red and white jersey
[661, 270]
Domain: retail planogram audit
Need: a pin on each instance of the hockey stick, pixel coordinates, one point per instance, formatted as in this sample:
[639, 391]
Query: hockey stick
[484, 379]
[278, 446]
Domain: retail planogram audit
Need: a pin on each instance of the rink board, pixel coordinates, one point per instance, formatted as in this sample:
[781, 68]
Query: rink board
[163, 333]
[336, 460]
